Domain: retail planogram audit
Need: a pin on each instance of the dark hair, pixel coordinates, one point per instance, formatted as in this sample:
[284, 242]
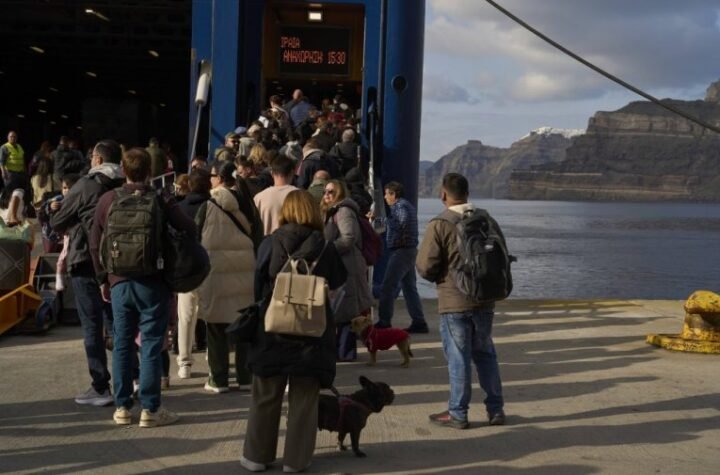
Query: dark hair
[70, 179]
[275, 99]
[136, 164]
[44, 170]
[456, 186]
[199, 181]
[109, 150]
[225, 171]
[396, 188]
[282, 165]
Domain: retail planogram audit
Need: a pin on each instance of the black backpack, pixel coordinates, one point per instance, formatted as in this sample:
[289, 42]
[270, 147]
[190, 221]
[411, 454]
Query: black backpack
[131, 244]
[482, 270]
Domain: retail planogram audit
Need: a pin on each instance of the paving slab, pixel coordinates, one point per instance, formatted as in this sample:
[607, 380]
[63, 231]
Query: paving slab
[584, 395]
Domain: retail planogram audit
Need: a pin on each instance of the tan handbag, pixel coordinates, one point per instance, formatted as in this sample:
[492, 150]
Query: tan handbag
[297, 305]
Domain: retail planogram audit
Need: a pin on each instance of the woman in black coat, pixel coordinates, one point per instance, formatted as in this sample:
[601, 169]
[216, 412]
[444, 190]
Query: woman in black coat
[307, 363]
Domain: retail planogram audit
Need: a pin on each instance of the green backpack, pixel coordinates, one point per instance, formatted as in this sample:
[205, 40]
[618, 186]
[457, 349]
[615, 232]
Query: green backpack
[131, 244]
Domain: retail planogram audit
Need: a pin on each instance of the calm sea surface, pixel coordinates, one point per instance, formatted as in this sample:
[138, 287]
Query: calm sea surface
[578, 250]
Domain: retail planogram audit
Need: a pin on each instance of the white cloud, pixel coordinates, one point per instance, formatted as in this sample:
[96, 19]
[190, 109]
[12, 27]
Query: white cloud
[649, 43]
[441, 89]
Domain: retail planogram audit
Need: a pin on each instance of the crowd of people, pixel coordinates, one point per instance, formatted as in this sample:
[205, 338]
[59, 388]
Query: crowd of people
[291, 184]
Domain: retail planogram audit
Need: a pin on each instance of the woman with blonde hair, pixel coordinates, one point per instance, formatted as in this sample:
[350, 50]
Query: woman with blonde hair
[306, 363]
[257, 157]
[342, 228]
[42, 181]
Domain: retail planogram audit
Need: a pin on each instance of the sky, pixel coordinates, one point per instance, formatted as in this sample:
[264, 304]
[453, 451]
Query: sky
[486, 78]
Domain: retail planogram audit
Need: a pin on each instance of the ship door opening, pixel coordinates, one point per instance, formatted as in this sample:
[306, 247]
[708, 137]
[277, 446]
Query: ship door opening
[317, 48]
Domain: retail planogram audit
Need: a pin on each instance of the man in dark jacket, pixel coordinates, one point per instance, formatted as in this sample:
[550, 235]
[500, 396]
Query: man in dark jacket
[140, 303]
[75, 218]
[465, 325]
[314, 159]
[402, 240]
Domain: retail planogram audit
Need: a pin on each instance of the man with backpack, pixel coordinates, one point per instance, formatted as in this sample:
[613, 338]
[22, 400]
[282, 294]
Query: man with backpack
[464, 246]
[126, 243]
[74, 218]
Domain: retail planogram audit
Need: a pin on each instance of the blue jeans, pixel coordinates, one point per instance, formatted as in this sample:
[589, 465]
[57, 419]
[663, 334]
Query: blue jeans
[142, 305]
[400, 274]
[93, 314]
[467, 337]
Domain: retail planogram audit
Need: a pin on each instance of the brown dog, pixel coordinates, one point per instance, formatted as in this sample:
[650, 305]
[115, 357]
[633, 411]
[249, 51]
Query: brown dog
[348, 414]
[381, 339]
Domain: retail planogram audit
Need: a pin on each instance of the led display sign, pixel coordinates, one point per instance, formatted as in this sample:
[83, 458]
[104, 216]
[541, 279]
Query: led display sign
[314, 51]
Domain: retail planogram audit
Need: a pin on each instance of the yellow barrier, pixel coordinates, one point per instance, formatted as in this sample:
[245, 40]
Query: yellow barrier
[15, 306]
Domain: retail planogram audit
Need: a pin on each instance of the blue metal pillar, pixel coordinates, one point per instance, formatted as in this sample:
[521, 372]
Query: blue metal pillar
[225, 57]
[402, 93]
[371, 53]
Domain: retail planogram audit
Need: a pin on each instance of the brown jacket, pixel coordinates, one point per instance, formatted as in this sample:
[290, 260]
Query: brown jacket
[438, 250]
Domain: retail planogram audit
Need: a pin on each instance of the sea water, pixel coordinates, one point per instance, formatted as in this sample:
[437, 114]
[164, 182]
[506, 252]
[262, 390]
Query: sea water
[582, 250]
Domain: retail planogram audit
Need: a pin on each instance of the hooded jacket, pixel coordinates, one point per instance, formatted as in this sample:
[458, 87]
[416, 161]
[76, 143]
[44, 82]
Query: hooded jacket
[75, 216]
[272, 354]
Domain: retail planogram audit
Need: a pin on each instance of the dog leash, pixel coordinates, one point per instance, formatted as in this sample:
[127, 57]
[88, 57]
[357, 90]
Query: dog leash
[334, 390]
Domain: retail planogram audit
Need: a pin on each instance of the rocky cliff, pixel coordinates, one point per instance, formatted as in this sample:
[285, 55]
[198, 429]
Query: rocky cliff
[640, 152]
[488, 168]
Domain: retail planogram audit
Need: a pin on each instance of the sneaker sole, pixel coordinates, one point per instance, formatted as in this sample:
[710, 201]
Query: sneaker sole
[122, 421]
[151, 424]
[94, 402]
[216, 390]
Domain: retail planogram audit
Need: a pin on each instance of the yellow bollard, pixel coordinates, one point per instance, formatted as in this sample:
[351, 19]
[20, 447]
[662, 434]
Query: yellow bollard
[701, 328]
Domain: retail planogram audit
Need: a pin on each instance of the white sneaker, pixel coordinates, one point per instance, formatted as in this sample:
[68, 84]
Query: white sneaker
[252, 466]
[185, 372]
[122, 416]
[161, 417]
[94, 398]
[216, 389]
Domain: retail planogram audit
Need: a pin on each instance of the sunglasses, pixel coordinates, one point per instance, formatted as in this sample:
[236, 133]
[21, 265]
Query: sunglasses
[329, 192]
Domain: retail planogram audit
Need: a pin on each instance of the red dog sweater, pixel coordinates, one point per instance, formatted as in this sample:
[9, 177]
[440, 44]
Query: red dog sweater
[383, 338]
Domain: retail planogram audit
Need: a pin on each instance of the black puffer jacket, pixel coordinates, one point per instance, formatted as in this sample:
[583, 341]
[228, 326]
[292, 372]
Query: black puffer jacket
[272, 354]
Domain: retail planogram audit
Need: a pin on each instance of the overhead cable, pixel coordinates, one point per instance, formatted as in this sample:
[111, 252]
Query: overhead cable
[590, 65]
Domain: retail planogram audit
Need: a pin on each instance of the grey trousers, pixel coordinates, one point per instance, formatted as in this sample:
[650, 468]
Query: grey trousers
[261, 437]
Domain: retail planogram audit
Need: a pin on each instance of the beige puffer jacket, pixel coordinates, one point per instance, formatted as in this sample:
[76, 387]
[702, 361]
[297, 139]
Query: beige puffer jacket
[229, 286]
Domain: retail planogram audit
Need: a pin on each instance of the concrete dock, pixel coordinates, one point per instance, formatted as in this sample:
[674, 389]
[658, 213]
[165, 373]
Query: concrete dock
[584, 395]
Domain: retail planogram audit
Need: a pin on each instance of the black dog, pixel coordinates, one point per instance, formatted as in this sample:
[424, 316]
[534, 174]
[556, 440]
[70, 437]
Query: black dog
[348, 414]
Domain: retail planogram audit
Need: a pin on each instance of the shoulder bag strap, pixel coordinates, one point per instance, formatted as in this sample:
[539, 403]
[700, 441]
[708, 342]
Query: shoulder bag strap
[232, 218]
